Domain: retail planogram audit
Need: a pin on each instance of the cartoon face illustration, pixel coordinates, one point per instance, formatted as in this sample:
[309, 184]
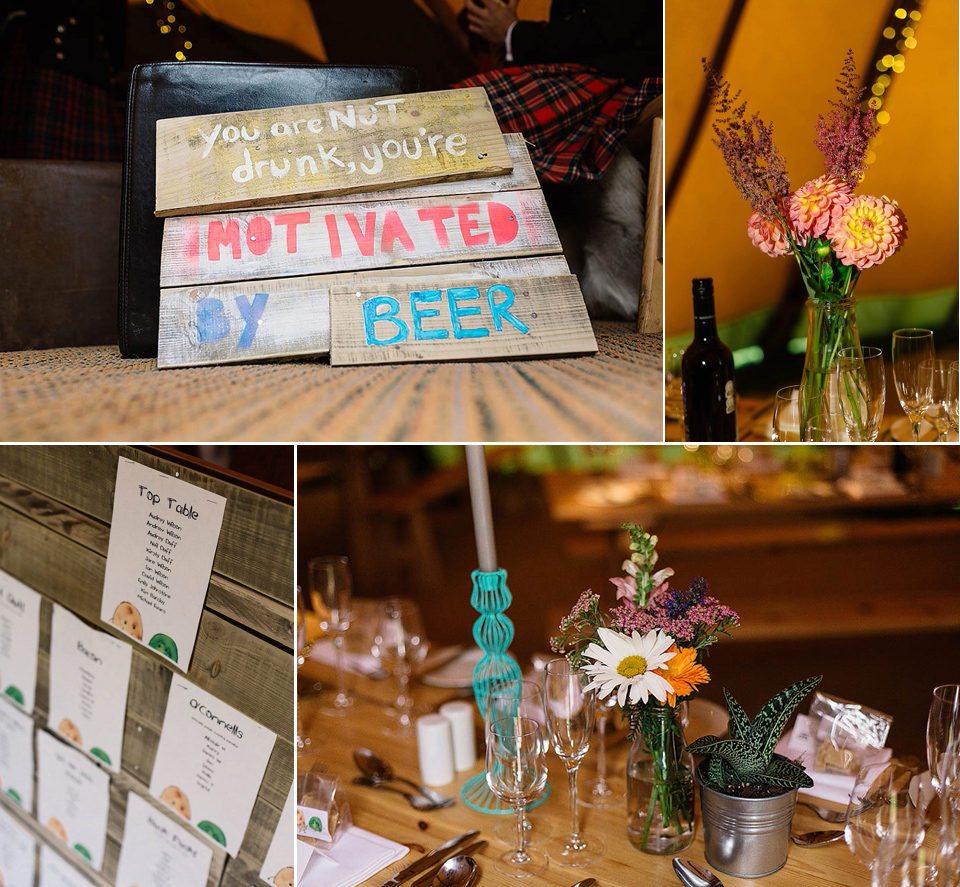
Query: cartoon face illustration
[127, 618]
[283, 878]
[176, 800]
[69, 729]
[301, 822]
[56, 826]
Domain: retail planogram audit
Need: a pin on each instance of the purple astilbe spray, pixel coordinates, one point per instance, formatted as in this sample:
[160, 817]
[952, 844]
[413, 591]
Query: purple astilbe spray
[755, 165]
[844, 134]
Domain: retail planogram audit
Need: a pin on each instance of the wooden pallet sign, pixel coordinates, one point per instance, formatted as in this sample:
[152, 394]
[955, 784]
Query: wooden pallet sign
[249, 158]
[264, 319]
[353, 236]
[470, 320]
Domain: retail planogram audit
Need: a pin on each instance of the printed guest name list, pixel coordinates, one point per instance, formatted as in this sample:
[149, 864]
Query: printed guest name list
[163, 538]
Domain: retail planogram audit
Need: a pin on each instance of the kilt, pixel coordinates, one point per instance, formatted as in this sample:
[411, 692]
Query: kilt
[573, 118]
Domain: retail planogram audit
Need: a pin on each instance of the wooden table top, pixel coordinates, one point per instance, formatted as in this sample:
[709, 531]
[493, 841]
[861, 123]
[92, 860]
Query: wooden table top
[388, 814]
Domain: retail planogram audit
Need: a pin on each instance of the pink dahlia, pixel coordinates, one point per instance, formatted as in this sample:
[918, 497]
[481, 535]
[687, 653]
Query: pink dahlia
[812, 207]
[768, 235]
[869, 231]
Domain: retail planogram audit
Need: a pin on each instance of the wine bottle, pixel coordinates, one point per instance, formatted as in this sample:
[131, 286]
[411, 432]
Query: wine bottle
[709, 391]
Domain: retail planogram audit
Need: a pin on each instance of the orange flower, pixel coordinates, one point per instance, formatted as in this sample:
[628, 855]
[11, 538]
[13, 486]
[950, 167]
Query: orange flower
[683, 673]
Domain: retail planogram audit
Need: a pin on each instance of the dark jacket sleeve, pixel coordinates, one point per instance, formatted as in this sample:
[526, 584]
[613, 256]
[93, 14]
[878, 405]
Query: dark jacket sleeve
[622, 38]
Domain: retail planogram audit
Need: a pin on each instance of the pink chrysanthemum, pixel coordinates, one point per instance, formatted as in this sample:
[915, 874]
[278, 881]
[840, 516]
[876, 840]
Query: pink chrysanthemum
[769, 236]
[869, 231]
[813, 206]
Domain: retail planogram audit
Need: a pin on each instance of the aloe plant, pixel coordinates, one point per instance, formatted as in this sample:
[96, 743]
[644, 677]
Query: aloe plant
[747, 757]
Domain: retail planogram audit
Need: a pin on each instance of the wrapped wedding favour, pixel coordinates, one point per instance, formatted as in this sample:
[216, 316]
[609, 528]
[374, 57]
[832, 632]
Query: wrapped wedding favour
[843, 731]
[323, 812]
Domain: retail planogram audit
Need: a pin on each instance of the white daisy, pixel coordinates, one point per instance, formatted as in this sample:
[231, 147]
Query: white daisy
[627, 664]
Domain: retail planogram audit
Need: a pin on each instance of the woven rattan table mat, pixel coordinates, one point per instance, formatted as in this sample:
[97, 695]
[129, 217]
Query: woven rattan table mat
[92, 394]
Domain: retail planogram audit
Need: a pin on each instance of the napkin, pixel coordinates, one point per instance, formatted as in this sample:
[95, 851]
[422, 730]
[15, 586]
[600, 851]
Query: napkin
[834, 787]
[356, 856]
[357, 663]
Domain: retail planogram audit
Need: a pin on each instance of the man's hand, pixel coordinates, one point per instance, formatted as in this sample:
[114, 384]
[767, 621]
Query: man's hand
[491, 19]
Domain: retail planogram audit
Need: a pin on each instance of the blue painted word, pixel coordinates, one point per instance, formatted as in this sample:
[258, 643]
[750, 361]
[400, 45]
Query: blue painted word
[213, 325]
[383, 325]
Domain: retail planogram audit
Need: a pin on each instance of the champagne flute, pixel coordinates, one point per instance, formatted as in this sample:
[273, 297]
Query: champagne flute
[601, 792]
[570, 711]
[303, 741]
[331, 590]
[517, 774]
[943, 730]
[862, 389]
[912, 347]
[401, 644]
[938, 413]
[510, 701]
[882, 822]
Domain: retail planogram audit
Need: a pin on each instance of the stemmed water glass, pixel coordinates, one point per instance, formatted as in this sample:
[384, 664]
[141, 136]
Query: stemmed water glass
[938, 413]
[521, 699]
[331, 591]
[401, 645]
[943, 731]
[517, 774]
[570, 711]
[862, 390]
[912, 375]
[601, 793]
[883, 827]
[786, 414]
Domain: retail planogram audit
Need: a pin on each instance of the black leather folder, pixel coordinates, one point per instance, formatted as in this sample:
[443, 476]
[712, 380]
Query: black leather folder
[182, 89]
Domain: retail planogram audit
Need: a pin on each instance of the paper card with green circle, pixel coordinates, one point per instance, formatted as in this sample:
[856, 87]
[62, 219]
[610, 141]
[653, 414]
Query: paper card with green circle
[55, 871]
[163, 539]
[18, 849]
[73, 798]
[89, 679]
[157, 850]
[210, 762]
[19, 641]
[16, 758]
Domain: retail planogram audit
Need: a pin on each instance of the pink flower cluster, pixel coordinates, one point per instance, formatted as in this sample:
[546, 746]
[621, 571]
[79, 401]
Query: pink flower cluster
[687, 627]
[863, 230]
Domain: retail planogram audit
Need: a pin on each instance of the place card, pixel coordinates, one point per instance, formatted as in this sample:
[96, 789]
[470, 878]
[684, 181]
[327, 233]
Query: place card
[278, 864]
[73, 798]
[16, 757]
[19, 641]
[158, 851]
[57, 872]
[163, 538]
[89, 677]
[210, 762]
[18, 850]
[304, 855]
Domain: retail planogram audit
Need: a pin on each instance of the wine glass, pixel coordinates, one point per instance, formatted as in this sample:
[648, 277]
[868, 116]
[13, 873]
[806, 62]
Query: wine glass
[786, 414]
[862, 389]
[943, 730]
[521, 699]
[517, 774]
[911, 349]
[938, 413]
[881, 819]
[331, 590]
[303, 741]
[953, 395]
[601, 793]
[570, 711]
[401, 645]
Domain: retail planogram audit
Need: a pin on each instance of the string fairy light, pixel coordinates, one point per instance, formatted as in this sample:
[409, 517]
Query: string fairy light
[167, 24]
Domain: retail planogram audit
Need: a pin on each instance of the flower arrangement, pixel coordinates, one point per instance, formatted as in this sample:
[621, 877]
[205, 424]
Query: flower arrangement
[648, 650]
[833, 233]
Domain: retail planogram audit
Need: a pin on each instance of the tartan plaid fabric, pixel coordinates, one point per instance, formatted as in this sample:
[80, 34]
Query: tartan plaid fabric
[573, 118]
[52, 115]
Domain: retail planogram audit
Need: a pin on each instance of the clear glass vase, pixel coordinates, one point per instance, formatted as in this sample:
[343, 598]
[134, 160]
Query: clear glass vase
[831, 325]
[660, 784]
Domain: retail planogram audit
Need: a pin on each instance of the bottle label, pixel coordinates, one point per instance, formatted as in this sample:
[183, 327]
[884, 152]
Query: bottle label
[731, 396]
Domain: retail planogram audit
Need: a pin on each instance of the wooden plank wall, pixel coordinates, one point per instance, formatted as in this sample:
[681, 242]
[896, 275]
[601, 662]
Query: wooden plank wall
[55, 509]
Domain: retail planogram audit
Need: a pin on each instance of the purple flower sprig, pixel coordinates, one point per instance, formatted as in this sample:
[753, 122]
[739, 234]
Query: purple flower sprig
[578, 629]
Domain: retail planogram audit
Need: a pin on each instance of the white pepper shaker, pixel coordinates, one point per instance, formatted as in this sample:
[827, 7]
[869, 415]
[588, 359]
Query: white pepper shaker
[435, 750]
[460, 715]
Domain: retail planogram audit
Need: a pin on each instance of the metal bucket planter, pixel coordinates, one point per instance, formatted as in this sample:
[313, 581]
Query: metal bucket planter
[746, 837]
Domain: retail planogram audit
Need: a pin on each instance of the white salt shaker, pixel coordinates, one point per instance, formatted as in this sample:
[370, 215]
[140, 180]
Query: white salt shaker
[435, 750]
[460, 716]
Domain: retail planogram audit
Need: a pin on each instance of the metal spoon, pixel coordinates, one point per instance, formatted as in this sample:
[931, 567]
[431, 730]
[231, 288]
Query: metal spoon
[824, 813]
[458, 871]
[418, 802]
[815, 839]
[694, 875]
[374, 767]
